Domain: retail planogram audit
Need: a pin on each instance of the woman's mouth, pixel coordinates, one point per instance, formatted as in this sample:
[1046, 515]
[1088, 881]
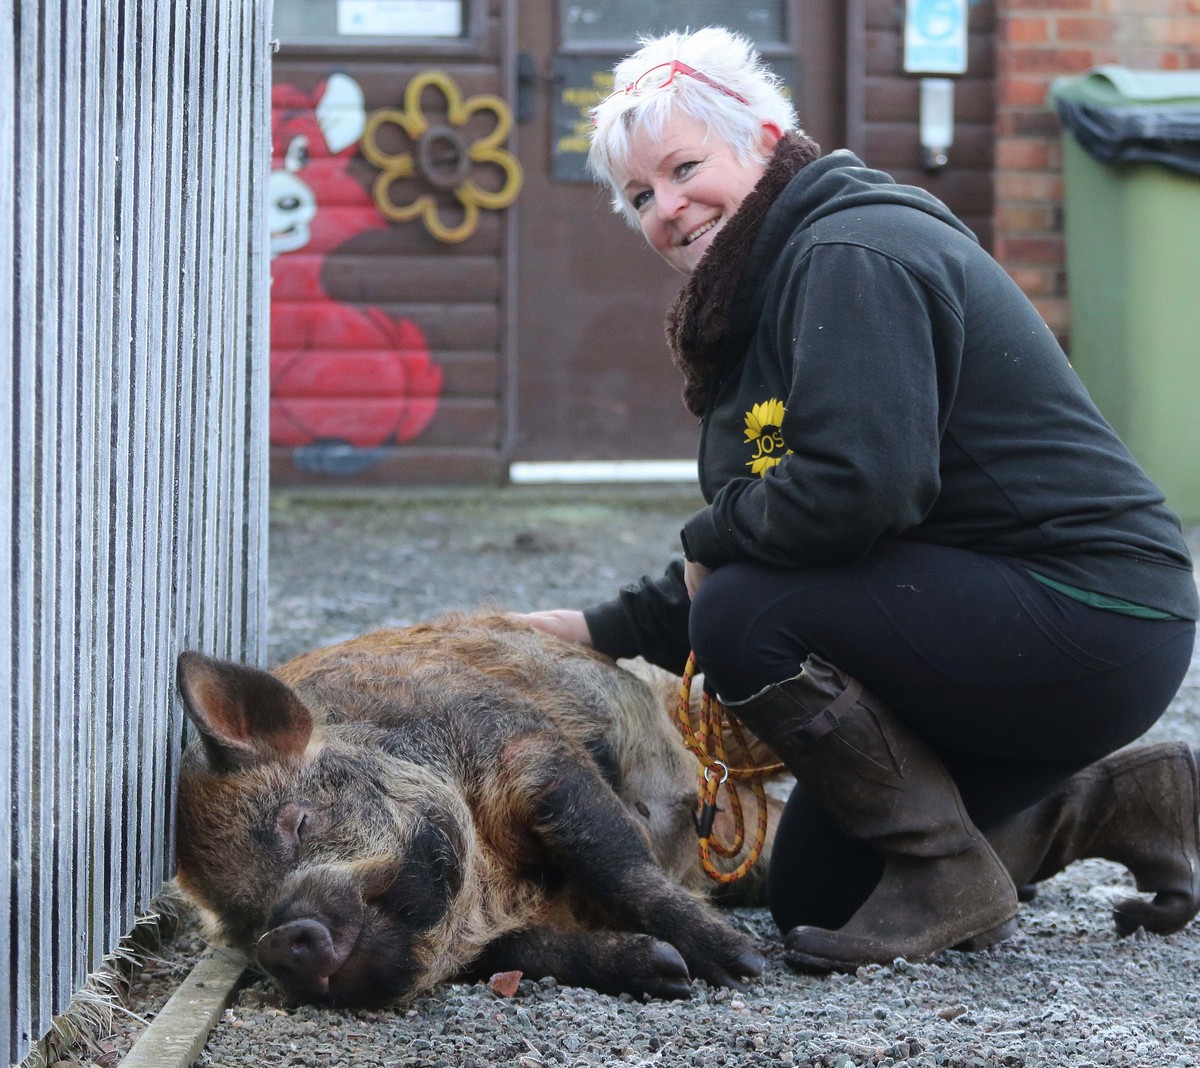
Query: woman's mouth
[689, 238]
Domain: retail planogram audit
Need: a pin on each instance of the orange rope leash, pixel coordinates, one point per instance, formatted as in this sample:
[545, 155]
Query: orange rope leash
[706, 740]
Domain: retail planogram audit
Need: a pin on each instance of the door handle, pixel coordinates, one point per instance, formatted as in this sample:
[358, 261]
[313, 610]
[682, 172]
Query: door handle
[527, 85]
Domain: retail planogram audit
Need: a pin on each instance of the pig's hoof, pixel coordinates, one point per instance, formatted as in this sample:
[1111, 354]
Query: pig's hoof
[659, 971]
[1166, 913]
[748, 964]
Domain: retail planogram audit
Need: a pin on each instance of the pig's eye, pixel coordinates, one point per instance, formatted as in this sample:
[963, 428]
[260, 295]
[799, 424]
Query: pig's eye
[293, 825]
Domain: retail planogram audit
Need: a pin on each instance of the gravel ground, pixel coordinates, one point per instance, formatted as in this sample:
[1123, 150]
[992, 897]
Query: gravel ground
[1064, 991]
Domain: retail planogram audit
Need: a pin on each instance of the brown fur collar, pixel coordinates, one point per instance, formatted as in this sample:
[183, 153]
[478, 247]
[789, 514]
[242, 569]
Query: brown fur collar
[699, 319]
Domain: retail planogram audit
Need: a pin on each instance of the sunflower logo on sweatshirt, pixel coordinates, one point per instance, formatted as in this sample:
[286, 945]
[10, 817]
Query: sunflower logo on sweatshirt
[764, 436]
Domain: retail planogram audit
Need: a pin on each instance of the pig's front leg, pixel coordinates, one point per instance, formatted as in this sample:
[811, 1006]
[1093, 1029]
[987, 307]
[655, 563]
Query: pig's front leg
[613, 962]
[591, 838]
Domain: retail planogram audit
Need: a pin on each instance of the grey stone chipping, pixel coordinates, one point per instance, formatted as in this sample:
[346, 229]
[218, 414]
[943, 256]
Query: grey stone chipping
[1065, 990]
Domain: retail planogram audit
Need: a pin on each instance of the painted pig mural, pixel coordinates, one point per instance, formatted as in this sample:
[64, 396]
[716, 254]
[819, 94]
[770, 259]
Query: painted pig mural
[346, 379]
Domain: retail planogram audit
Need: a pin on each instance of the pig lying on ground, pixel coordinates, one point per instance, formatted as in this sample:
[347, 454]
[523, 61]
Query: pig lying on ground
[446, 801]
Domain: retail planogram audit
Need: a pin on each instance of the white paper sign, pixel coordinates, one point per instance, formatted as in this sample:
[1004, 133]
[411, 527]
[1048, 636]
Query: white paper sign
[935, 36]
[400, 18]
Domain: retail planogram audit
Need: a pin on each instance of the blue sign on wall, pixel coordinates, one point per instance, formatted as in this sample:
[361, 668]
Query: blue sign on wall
[935, 36]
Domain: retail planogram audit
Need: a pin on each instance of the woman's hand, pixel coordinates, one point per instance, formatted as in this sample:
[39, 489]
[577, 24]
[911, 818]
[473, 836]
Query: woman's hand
[561, 622]
[693, 575]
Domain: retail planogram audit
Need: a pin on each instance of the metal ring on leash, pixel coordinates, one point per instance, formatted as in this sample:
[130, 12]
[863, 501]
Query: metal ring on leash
[714, 765]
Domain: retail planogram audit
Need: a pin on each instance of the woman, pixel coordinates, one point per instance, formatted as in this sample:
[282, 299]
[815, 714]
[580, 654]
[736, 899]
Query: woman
[928, 573]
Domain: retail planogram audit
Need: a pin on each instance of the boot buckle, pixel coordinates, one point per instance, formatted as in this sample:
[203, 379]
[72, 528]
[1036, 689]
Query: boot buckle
[828, 718]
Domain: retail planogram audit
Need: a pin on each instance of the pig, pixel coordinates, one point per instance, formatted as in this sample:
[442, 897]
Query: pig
[444, 802]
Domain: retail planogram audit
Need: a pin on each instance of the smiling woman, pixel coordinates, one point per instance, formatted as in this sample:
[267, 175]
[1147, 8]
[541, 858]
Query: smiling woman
[736, 100]
[685, 185]
[928, 573]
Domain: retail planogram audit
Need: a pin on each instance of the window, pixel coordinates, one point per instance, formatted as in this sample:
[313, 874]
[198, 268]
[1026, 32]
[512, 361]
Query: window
[369, 21]
[613, 21]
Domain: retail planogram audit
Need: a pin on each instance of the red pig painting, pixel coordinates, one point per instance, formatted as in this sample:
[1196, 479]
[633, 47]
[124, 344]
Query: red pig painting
[347, 380]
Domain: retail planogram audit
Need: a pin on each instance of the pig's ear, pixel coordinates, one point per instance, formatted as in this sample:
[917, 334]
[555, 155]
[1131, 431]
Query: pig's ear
[245, 716]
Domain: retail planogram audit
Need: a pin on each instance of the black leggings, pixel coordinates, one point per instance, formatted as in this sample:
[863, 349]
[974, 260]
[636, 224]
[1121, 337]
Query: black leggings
[1014, 685]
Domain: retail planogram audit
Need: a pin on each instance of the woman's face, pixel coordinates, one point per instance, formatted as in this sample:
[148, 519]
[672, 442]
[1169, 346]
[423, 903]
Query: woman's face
[686, 184]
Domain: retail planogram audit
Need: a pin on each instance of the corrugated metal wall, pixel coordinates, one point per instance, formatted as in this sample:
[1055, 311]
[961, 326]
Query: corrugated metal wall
[134, 148]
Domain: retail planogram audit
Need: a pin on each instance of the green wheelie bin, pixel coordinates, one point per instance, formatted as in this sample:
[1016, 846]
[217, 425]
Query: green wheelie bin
[1131, 166]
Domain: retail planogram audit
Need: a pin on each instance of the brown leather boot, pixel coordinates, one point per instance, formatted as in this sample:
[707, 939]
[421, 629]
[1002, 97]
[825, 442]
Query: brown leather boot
[1140, 808]
[942, 884]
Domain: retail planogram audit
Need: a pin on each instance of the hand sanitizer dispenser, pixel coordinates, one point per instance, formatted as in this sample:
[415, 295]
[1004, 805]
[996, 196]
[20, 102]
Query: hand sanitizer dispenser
[937, 121]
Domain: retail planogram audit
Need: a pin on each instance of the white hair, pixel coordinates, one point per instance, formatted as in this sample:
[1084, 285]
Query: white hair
[727, 58]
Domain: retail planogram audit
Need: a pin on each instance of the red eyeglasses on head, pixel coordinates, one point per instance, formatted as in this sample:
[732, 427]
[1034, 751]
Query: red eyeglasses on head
[663, 74]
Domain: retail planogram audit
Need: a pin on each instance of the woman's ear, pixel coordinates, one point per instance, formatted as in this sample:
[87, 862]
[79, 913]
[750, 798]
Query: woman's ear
[769, 137]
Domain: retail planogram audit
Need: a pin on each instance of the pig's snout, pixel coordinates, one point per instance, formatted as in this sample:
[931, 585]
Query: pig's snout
[300, 954]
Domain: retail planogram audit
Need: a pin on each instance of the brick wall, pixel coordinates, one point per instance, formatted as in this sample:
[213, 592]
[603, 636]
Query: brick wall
[1036, 41]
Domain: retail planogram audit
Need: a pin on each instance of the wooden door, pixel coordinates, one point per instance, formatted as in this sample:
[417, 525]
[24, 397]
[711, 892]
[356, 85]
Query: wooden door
[594, 378]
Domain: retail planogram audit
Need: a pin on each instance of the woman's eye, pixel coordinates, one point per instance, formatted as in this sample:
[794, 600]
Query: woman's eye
[640, 200]
[684, 169]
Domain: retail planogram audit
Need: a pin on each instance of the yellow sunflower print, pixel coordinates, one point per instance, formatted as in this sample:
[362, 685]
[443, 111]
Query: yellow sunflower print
[762, 431]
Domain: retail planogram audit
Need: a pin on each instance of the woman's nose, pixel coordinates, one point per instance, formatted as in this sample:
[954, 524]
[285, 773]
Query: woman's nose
[668, 203]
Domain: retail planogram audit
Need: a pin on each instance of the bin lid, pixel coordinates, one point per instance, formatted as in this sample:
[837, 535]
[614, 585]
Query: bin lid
[1113, 86]
[1119, 115]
